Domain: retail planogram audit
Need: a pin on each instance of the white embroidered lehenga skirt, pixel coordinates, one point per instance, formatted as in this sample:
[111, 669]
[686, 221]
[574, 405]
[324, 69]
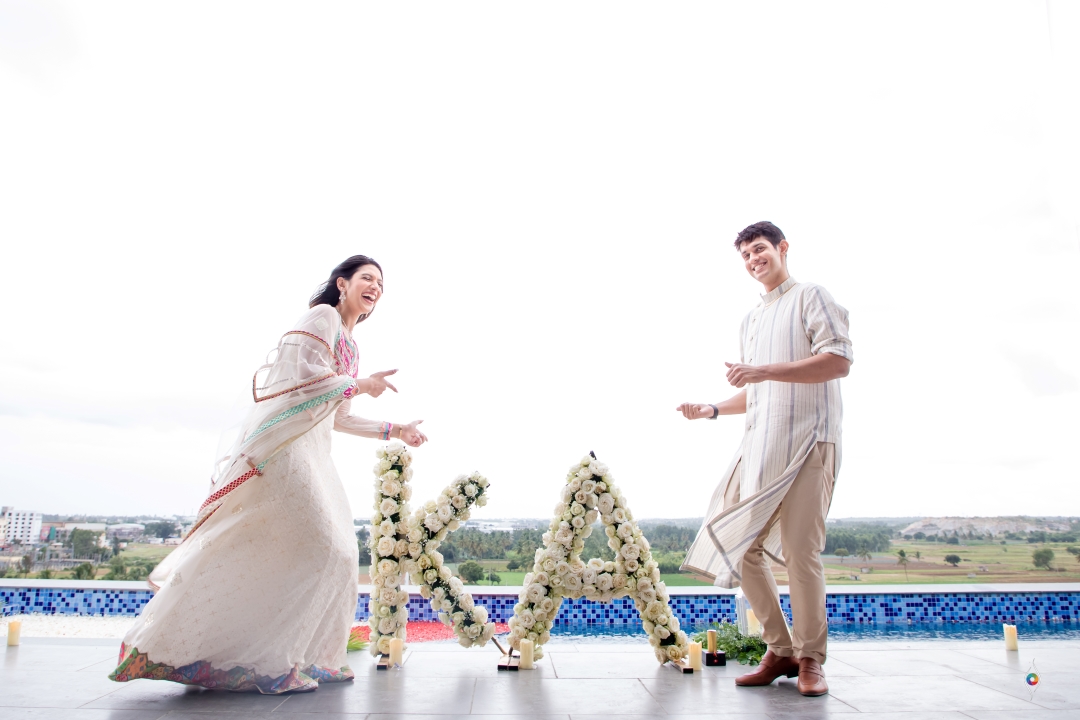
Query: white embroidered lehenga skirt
[263, 594]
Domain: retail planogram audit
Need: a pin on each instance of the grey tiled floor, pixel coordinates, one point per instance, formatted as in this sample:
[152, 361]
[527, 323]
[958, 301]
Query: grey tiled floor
[58, 679]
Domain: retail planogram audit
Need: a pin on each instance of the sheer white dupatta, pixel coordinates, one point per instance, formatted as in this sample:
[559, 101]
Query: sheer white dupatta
[312, 371]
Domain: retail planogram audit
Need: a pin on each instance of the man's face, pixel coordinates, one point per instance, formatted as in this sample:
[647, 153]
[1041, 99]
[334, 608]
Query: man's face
[764, 262]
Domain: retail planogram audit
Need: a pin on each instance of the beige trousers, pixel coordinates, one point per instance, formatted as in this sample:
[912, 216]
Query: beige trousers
[802, 534]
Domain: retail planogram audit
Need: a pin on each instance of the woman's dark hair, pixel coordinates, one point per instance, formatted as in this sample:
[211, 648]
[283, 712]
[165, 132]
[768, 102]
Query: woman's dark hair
[328, 293]
[763, 229]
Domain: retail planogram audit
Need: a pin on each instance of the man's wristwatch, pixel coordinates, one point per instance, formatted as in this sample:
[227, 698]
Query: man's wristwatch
[715, 412]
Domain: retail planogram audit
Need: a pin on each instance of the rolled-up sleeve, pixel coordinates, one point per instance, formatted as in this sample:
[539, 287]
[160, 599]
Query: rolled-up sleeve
[826, 324]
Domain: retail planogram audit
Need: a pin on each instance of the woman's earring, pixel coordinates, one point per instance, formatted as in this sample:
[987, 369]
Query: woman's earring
[341, 298]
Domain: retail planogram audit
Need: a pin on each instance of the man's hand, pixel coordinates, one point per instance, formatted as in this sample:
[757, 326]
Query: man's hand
[695, 411]
[741, 375]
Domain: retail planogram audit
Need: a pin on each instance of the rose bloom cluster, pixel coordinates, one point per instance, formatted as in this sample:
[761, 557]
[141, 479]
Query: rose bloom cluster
[388, 607]
[404, 543]
[558, 571]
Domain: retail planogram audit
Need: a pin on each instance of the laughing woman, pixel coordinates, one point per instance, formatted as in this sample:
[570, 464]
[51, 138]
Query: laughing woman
[262, 592]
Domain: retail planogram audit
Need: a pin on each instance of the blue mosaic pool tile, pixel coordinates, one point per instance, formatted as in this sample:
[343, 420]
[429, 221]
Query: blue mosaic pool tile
[692, 610]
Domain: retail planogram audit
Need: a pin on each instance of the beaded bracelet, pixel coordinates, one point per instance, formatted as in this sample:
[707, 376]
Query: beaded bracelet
[389, 429]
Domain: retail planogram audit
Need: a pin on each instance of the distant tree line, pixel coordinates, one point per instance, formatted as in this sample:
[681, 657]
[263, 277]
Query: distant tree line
[855, 539]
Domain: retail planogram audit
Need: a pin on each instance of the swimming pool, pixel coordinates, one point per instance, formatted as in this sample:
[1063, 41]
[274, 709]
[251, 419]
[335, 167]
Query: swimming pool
[853, 631]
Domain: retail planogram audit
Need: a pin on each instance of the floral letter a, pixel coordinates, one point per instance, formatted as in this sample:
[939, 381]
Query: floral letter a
[559, 572]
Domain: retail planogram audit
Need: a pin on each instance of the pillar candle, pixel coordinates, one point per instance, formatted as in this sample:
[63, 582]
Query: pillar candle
[526, 651]
[753, 627]
[14, 629]
[397, 648]
[1010, 637]
[711, 642]
[695, 656]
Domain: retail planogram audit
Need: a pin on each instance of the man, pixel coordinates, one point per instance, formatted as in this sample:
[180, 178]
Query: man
[772, 503]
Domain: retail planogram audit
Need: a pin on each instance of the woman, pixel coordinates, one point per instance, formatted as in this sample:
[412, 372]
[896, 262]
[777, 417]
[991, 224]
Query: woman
[262, 592]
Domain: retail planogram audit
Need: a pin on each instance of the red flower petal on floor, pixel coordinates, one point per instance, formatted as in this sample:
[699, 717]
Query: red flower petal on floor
[422, 631]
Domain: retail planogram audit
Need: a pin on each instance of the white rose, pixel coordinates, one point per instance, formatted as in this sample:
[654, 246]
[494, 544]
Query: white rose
[674, 652]
[606, 504]
[541, 578]
[535, 592]
[618, 515]
[549, 564]
[578, 522]
[456, 586]
[572, 583]
[445, 512]
[415, 535]
[445, 574]
[383, 646]
[386, 626]
[415, 549]
[604, 582]
[577, 509]
[589, 575]
[470, 490]
[630, 551]
[447, 606]
[466, 602]
[547, 605]
[631, 565]
[387, 529]
[385, 546]
[387, 567]
[527, 619]
[433, 523]
[401, 547]
[391, 488]
[480, 614]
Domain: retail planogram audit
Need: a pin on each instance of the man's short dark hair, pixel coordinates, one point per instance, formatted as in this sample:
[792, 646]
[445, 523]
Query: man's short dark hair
[763, 229]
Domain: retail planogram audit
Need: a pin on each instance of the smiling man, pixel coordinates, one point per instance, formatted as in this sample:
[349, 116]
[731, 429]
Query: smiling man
[772, 502]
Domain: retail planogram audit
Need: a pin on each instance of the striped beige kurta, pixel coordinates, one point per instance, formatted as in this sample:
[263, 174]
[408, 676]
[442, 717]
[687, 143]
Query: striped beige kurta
[783, 423]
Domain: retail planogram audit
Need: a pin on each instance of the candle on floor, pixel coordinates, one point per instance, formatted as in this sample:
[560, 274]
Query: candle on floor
[753, 627]
[14, 628]
[526, 651]
[711, 641]
[397, 648]
[695, 656]
[1010, 637]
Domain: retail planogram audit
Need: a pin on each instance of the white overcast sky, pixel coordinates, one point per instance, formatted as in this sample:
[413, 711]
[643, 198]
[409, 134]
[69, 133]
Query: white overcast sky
[553, 190]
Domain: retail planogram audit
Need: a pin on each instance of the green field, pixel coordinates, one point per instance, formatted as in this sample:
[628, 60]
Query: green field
[989, 562]
[513, 578]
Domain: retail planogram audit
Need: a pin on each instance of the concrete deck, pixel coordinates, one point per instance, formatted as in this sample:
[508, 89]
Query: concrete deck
[65, 678]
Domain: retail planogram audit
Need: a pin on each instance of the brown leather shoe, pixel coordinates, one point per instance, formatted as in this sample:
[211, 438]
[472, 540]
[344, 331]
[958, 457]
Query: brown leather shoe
[811, 678]
[771, 667]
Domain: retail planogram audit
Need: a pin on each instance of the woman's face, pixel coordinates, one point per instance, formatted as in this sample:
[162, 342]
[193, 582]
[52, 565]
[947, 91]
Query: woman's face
[362, 291]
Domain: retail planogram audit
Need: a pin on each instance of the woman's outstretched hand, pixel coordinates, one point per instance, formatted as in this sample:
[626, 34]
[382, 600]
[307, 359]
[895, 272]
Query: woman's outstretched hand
[377, 383]
[411, 435]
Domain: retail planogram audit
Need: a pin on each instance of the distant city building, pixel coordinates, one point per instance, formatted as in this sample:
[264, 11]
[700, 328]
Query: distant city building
[125, 531]
[23, 527]
[3, 529]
